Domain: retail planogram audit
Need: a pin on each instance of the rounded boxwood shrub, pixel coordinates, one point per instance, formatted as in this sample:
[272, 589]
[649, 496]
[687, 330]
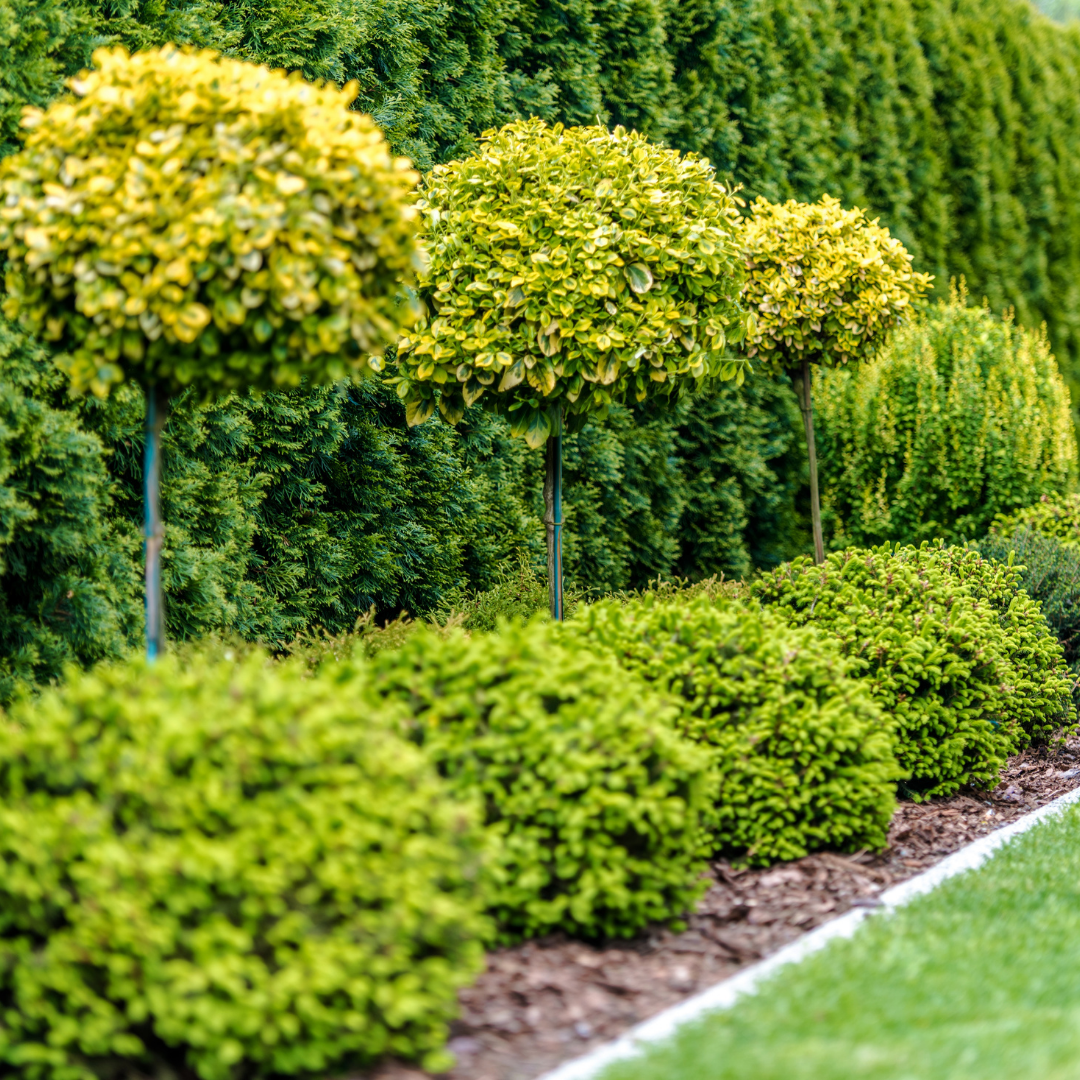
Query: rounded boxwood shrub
[804, 757]
[598, 807]
[957, 655]
[963, 416]
[226, 871]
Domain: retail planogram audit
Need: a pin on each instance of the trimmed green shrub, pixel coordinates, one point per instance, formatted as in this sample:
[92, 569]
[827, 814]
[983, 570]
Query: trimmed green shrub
[959, 658]
[229, 869]
[597, 806]
[805, 758]
[1033, 672]
[964, 416]
[1056, 516]
[1049, 574]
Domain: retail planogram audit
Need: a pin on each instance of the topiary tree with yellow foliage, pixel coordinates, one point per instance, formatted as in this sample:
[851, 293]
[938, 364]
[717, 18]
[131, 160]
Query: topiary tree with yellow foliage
[183, 220]
[570, 268]
[825, 286]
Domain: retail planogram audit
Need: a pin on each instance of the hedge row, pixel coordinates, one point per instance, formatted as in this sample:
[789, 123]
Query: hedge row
[237, 867]
[952, 119]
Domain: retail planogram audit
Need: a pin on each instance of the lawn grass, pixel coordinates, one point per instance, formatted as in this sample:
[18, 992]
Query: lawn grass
[979, 980]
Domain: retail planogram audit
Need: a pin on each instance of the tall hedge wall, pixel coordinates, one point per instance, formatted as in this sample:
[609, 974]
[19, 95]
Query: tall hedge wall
[292, 511]
[958, 121]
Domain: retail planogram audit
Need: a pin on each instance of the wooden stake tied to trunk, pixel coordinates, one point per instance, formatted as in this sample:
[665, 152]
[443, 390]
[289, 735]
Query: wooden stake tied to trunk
[803, 390]
[553, 516]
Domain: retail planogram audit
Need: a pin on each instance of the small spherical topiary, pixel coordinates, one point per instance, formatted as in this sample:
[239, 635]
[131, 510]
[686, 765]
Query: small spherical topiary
[804, 755]
[226, 871]
[824, 283]
[960, 659]
[186, 219]
[597, 807]
[574, 267]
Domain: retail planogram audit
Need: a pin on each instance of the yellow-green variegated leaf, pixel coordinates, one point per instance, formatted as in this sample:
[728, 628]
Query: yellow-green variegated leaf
[823, 283]
[184, 219]
[556, 264]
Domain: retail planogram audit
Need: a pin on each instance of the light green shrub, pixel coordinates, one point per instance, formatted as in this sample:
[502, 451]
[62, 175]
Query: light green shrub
[964, 416]
[1054, 515]
[804, 755]
[230, 869]
[596, 804]
[958, 657]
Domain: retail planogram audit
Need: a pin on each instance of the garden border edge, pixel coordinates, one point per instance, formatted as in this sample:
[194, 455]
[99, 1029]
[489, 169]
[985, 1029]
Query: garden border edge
[724, 994]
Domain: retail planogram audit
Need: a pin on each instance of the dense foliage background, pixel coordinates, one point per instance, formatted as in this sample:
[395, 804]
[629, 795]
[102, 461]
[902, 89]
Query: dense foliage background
[955, 120]
[957, 123]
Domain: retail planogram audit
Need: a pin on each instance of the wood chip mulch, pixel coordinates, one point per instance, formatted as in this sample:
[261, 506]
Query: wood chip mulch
[549, 1000]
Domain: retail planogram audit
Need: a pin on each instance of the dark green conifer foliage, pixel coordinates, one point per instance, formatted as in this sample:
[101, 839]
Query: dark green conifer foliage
[69, 582]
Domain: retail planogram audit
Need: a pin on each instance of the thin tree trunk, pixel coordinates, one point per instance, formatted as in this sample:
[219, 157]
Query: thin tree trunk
[157, 407]
[803, 390]
[553, 516]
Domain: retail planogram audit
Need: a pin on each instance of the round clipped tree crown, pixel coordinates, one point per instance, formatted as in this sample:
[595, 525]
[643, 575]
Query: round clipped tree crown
[824, 284]
[184, 219]
[570, 266]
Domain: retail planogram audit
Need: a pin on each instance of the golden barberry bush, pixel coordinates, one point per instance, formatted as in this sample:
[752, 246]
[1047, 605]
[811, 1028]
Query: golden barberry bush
[571, 266]
[184, 219]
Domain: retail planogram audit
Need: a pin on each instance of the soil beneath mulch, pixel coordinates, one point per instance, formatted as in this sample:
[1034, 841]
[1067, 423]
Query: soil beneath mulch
[549, 1000]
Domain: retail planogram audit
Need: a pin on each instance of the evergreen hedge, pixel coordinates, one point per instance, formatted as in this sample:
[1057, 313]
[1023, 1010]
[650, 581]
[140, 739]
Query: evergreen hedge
[959, 658]
[953, 120]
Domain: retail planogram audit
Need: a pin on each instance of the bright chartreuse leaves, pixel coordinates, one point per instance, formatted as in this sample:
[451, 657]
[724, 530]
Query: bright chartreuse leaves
[1054, 516]
[571, 267]
[184, 219]
[596, 807]
[227, 869]
[824, 284]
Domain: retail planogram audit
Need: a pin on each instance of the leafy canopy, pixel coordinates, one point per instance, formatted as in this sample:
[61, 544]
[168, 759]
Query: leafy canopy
[189, 219]
[824, 283]
[570, 266]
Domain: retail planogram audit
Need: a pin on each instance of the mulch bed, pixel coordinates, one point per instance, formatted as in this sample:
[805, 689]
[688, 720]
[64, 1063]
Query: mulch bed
[549, 1000]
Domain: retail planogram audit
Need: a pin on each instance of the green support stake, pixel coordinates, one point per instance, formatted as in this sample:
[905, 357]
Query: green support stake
[156, 408]
[553, 515]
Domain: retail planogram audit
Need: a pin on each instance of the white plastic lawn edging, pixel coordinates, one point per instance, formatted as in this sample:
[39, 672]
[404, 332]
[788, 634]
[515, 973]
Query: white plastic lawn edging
[724, 994]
